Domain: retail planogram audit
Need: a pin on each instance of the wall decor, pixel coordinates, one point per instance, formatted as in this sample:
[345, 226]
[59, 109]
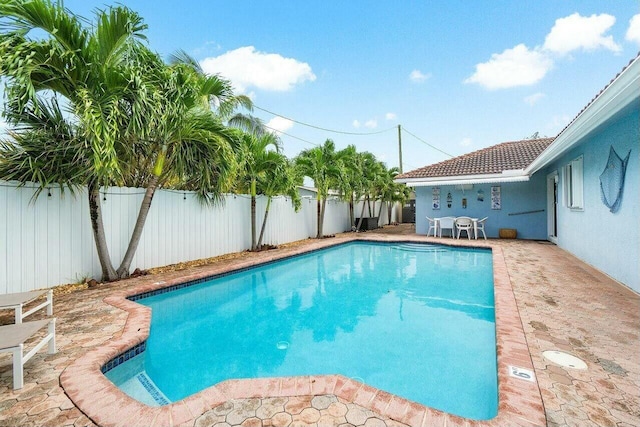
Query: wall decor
[496, 200]
[480, 195]
[435, 194]
[612, 180]
[449, 199]
[464, 203]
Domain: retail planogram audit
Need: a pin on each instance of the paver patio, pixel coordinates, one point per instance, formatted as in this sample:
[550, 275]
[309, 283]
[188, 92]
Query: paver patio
[564, 305]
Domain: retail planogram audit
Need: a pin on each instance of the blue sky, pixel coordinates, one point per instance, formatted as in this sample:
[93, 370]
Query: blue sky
[459, 75]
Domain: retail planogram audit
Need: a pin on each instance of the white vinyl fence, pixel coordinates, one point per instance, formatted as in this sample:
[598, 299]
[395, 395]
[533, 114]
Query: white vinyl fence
[375, 207]
[48, 241]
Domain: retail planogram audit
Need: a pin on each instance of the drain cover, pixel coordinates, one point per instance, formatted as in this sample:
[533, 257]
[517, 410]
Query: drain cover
[564, 359]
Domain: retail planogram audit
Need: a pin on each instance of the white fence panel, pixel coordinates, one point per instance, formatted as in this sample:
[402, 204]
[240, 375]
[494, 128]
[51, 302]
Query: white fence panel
[336, 217]
[48, 241]
[375, 207]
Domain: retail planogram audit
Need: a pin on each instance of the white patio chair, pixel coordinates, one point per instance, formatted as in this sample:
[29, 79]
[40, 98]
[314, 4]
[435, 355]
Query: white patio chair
[17, 302]
[480, 227]
[446, 223]
[12, 338]
[432, 226]
[464, 223]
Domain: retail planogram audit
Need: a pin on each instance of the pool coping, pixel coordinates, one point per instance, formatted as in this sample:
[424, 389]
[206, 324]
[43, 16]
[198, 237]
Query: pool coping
[519, 401]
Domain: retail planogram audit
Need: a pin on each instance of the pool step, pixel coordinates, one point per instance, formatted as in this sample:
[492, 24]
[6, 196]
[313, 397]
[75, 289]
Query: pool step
[420, 247]
[151, 388]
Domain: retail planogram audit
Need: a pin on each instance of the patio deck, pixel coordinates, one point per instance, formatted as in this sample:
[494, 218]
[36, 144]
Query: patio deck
[564, 305]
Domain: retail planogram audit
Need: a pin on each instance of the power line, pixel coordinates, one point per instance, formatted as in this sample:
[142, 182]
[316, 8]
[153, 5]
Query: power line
[425, 142]
[291, 136]
[342, 132]
[322, 128]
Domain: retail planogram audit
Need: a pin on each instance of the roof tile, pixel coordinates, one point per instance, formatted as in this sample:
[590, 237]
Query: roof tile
[491, 160]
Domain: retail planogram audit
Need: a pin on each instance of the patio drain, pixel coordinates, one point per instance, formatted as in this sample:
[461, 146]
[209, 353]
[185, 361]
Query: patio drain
[565, 360]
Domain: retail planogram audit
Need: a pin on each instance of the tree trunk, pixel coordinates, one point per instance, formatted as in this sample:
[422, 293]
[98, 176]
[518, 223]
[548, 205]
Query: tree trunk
[321, 225]
[380, 210]
[253, 215]
[264, 222]
[361, 216]
[123, 270]
[352, 219]
[95, 211]
[369, 206]
[318, 226]
[389, 208]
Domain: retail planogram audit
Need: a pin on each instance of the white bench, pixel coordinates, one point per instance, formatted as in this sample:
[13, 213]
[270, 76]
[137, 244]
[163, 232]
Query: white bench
[19, 300]
[12, 338]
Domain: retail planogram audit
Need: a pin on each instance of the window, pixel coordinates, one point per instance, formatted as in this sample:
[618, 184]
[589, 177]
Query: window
[573, 183]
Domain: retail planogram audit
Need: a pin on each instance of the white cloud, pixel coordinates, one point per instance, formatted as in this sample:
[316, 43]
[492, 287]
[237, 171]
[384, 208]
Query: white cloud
[391, 116]
[371, 124]
[533, 99]
[633, 32]
[519, 66]
[557, 123]
[581, 32]
[466, 142]
[381, 157]
[207, 48]
[417, 76]
[279, 124]
[246, 67]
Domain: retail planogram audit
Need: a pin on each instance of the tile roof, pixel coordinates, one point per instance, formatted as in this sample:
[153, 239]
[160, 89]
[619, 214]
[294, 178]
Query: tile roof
[491, 160]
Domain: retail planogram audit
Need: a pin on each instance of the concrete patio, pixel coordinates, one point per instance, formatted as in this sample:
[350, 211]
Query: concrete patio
[564, 305]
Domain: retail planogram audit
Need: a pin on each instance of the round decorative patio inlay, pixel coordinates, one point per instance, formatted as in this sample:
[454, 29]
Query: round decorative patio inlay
[564, 359]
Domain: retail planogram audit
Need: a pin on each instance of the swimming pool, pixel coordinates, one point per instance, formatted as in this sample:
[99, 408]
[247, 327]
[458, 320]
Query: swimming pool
[415, 320]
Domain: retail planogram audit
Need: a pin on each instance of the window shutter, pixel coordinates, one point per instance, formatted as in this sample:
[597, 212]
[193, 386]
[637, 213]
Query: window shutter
[577, 198]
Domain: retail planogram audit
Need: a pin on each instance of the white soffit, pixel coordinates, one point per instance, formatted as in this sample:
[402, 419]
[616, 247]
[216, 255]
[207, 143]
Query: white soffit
[506, 176]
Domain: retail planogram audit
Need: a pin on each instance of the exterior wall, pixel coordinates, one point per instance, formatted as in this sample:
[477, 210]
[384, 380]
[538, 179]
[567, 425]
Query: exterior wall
[608, 241]
[518, 200]
[48, 241]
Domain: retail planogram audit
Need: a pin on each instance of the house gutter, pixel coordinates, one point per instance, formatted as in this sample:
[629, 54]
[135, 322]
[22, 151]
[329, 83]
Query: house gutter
[622, 91]
[516, 175]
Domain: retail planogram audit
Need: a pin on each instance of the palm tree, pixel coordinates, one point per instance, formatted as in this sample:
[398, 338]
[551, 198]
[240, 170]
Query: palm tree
[401, 194]
[322, 165]
[390, 192]
[350, 181]
[282, 179]
[255, 161]
[132, 118]
[91, 73]
[369, 169]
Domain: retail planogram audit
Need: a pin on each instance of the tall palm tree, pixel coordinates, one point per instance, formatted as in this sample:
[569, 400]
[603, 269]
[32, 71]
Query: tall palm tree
[256, 159]
[131, 118]
[369, 169]
[388, 191]
[282, 179]
[350, 182]
[322, 165]
[90, 72]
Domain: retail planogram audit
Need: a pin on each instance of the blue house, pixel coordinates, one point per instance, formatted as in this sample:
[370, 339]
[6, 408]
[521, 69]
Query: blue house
[579, 190]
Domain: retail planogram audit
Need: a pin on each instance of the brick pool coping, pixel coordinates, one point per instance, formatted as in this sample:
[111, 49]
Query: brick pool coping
[519, 404]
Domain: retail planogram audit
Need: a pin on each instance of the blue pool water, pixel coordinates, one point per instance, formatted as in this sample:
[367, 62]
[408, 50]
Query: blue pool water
[414, 320]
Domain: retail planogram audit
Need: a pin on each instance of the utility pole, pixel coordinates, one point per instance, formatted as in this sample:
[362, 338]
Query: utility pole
[400, 146]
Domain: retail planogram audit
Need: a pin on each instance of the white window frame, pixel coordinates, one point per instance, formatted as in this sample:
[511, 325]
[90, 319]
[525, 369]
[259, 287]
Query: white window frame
[574, 184]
